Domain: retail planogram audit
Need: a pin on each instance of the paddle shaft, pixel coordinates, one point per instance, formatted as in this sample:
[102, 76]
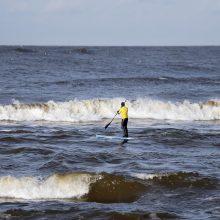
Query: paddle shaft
[111, 120]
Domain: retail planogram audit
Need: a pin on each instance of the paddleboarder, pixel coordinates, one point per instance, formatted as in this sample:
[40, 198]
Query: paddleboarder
[124, 122]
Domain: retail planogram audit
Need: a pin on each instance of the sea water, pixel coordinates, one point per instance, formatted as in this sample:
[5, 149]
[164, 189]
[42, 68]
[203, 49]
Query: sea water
[55, 100]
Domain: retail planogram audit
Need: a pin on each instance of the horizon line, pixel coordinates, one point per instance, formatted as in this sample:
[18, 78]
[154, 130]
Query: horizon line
[96, 45]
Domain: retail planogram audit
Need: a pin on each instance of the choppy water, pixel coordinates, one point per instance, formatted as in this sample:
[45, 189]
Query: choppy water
[55, 100]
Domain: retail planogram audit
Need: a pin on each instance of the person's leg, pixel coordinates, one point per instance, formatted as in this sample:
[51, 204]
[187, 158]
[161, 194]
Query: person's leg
[125, 123]
[122, 124]
[126, 127]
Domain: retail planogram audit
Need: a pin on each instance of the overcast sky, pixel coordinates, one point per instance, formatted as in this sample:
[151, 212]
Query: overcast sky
[110, 22]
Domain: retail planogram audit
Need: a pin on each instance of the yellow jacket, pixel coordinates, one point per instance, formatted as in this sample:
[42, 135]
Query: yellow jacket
[124, 112]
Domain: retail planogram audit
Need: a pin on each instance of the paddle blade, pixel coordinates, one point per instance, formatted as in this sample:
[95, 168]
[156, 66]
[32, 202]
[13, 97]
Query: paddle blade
[107, 125]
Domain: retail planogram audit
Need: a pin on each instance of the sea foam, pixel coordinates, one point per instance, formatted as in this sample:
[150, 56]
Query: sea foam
[98, 109]
[57, 186]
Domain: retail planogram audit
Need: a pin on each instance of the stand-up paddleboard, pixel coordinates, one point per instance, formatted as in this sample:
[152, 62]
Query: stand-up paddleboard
[113, 137]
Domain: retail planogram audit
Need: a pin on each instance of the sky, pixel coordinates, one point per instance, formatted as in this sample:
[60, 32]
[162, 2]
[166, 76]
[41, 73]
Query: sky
[110, 22]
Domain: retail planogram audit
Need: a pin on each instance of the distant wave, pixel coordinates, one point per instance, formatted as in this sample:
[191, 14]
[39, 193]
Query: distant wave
[156, 80]
[35, 49]
[98, 109]
[24, 50]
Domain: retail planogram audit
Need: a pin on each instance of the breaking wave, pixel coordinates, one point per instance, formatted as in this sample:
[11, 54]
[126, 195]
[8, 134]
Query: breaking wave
[103, 187]
[98, 109]
[57, 186]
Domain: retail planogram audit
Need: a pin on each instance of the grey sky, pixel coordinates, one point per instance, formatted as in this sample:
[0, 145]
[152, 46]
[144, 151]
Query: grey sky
[110, 22]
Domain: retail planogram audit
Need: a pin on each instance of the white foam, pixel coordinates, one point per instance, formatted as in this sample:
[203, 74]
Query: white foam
[54, 187]
[97, 109]
[145, 176]
[15, 101]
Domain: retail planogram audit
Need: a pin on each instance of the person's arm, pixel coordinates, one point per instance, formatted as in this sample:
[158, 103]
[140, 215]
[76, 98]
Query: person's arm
[119, 111]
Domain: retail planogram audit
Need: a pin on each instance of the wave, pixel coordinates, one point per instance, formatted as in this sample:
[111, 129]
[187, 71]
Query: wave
[97, 187]
[138, 80]
[57, 186]
[103, 187]
[24, 50]
[180, 179]
[112, 189]
[98, 109]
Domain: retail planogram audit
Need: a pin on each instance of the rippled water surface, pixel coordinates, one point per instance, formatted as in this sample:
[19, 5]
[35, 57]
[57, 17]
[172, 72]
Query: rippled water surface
[55, 100]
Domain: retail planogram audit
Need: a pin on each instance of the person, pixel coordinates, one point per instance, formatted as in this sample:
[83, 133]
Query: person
[124, 114]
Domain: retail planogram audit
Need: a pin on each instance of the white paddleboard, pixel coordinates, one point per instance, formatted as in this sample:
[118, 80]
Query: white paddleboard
[113, 137]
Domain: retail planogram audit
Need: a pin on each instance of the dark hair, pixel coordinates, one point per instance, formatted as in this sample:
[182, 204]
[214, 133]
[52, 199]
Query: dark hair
[122, 104]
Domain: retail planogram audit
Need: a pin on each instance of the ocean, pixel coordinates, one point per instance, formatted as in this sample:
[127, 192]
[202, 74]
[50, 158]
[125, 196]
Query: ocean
[54, 101]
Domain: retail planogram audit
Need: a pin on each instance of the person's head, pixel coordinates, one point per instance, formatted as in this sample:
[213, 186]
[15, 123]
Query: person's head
[122, 104]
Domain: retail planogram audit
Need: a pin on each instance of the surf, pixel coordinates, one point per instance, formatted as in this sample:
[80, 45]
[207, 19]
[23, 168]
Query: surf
[92, 187]
[99, 109]
[56, 186]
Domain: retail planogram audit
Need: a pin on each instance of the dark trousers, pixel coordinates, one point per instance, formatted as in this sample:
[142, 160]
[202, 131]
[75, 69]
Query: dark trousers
[124, 124]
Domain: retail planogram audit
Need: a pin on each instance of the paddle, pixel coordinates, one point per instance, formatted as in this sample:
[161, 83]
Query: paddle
[111, 120]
